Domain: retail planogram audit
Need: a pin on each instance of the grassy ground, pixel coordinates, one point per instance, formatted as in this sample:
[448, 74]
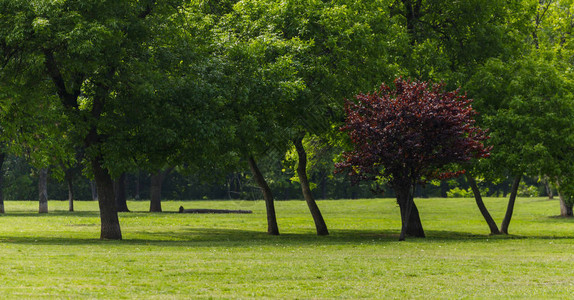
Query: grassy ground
[172, 255]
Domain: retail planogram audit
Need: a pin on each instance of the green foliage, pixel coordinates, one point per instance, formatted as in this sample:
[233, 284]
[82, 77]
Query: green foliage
[528, 107]
[525, 190]
[459, 193]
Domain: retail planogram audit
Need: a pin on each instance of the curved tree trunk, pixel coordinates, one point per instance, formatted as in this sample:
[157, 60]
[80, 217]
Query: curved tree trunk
[320, 225]
[510, 207]
[2, 158]
[483, 210]
[69, 177]
[410, 219]
[272, 227]
[110, 224]
[43, 190]
[120, 193]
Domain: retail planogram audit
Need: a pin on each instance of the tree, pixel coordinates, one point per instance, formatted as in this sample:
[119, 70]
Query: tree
[92, 55]
[335, 49]
[407, 135]
[528, 106]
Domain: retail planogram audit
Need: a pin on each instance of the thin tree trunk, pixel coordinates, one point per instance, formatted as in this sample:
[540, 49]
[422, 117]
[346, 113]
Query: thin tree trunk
[43, 190]
[443, 188]
[510, 207]
[110, 224]
[2, 158]
[69, 177]
[320, 225]
[120, 193]
[483, 210]
[94, 190]
[137, 191]
[272, 227]
[157, 180]
[548, 189]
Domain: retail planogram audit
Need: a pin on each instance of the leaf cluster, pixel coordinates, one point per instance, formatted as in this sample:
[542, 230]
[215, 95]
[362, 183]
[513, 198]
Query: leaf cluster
[410, 131]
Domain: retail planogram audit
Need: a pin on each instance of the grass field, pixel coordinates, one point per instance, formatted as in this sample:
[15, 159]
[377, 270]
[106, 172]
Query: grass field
[173, 256]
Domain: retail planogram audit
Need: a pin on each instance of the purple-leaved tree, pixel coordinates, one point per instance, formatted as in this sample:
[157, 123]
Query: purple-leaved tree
[407, 135]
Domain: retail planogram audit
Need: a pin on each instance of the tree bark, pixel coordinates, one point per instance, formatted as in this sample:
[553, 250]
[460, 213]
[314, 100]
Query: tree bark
[510, 207]
[483, 210]
[157, 180]
[110, 224]
[548, 189]
[320, 225]
[565, 207]
[120, 193]
[94, 190]
[43, 190]
[2, 158]
[155, 192]
[137, 190]
[69, 177]
[410, 219]
[272, 227]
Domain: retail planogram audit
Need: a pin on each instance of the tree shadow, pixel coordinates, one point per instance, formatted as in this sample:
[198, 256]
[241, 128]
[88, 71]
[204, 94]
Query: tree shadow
[236, 238]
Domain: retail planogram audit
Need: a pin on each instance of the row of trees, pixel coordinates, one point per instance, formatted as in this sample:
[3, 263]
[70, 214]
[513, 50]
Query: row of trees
[20, 182]
[215, 87]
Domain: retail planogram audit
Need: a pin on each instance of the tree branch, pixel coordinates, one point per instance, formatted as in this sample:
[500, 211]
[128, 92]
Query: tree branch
[70, 100]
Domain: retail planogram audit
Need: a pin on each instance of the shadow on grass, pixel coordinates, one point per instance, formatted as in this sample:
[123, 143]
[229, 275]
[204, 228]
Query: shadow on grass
[210, 237]
[56, 213]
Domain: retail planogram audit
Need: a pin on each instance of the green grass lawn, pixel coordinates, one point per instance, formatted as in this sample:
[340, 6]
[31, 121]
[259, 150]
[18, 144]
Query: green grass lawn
[170, 255]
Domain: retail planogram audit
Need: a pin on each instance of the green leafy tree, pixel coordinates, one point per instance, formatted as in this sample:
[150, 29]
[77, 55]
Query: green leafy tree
[93, 55]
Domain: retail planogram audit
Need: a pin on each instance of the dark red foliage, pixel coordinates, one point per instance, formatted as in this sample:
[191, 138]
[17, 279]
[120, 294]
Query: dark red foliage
[410, 132]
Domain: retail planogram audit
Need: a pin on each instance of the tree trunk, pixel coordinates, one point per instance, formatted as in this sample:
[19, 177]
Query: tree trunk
[2, 158]
[43, 190]
[155, 192]
[548, 189]
[412, 15]
[157, 180]
[510, 207]
[444, 188]
[483, 210]
[272, 227]
[410, 219]
[565, 207]
[320, 225]
[120, 193]
[137, 191]
[110, 224]
[94, 190]
[69, 177]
